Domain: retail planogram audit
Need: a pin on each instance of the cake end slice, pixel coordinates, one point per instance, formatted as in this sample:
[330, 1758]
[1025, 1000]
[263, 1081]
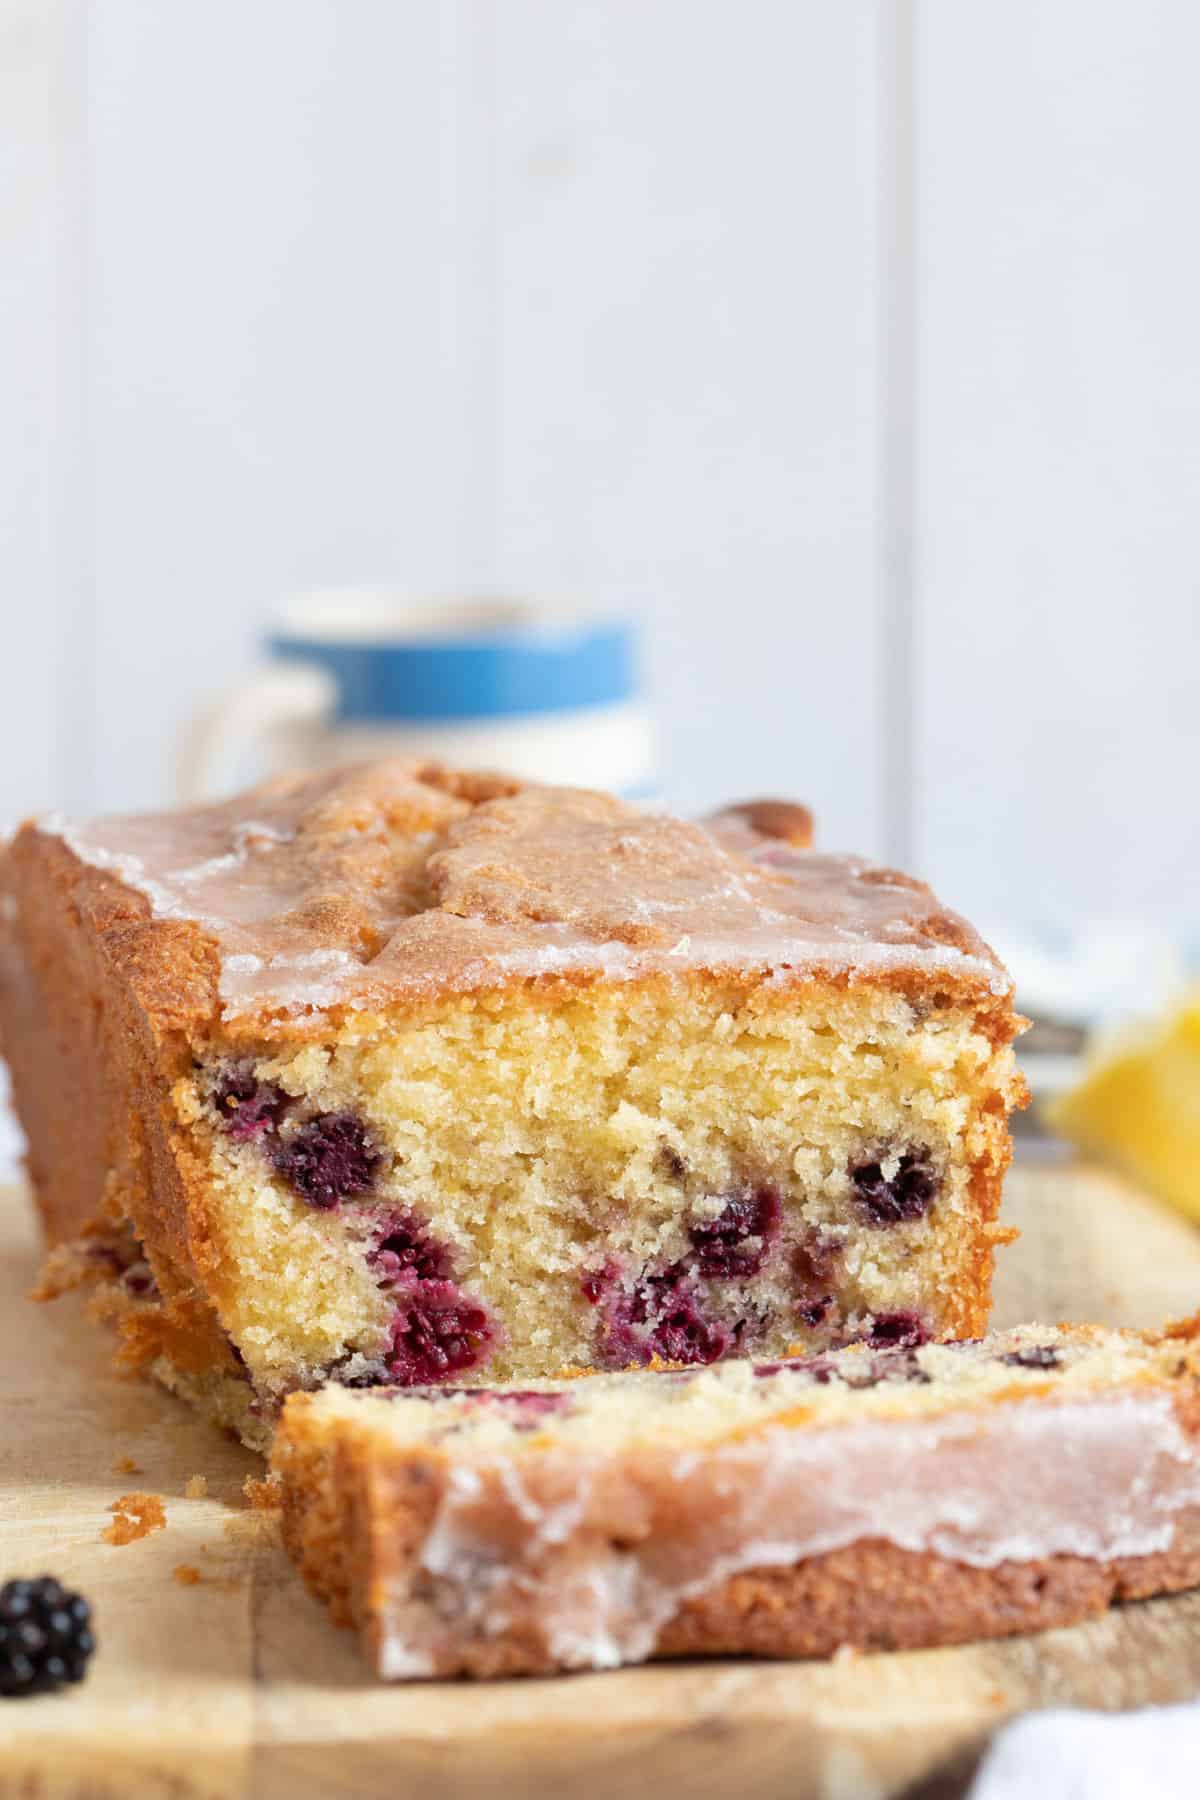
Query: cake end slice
[878, 1499]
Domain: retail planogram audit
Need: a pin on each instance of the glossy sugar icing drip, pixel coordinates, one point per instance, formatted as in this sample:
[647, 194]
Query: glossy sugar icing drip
[1096, 1478]
[385, 884]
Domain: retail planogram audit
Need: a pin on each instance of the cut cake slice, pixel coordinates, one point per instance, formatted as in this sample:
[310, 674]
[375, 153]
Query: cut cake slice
[878, 1499]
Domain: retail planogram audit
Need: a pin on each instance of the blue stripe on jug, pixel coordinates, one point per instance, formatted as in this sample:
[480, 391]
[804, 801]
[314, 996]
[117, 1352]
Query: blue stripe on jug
[485, 675]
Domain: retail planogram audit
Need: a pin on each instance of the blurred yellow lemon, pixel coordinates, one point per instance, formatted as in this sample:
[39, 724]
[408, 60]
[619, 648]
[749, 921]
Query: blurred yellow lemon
[1137, 1104]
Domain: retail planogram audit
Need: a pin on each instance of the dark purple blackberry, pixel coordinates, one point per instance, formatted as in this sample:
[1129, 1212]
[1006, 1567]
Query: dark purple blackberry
[1037, 1356]
[660, 1318]
[908, 1194]
[818, 1367]
[682, 1334]
[406, 1251]
[822, 1370]
[737, 1240]
[45, 1636]
[439, 1331]
[248, 1108]
[327, 1159]
[897, 1331]
[814, 1270]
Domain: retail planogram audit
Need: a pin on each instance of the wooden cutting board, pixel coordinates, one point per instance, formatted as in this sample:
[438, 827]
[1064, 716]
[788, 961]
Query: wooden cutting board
[237, 1685]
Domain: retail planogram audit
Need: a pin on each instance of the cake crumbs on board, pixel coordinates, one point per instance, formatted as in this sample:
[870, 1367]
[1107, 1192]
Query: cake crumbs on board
[265, 1495]
[196, 1487]
[186, 1574]
[134, 1516]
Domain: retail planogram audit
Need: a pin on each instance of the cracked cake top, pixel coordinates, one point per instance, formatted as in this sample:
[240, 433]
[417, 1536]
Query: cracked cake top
[400, 882]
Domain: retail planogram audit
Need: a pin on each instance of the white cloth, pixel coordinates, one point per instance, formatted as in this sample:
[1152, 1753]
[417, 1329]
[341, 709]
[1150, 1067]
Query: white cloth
[1153, 1754]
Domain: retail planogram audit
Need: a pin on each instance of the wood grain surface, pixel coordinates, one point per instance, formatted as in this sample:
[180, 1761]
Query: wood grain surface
[237, 1685]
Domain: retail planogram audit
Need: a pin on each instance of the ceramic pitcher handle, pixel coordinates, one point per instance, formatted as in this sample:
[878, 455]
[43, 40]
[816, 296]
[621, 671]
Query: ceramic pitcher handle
[219, 737]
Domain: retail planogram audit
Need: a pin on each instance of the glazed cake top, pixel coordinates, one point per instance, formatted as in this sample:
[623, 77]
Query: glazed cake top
[398, 882]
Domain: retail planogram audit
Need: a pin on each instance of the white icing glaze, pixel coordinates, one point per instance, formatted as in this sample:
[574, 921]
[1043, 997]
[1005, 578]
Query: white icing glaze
[1099, 1478]
[316, 900]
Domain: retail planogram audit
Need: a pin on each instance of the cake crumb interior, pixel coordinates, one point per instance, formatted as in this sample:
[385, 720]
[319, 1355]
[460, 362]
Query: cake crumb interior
[541, 1143]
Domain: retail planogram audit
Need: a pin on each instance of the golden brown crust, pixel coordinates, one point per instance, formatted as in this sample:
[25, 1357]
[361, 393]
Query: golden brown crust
[973, 1294]
[875, 1596]
[95, 1000]
[744, 827]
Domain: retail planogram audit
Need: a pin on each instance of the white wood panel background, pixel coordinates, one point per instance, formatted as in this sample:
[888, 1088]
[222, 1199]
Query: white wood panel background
[688, 365]
[1058, 457]
[852, 342]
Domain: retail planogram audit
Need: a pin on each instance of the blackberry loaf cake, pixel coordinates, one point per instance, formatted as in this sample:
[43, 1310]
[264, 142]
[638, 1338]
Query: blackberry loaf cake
[882, 1499]
[400, 1075]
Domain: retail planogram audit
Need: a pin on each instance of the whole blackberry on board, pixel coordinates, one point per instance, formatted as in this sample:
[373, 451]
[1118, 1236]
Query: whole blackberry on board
[45, 1636]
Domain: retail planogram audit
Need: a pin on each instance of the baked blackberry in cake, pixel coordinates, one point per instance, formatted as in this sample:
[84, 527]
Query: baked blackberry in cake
[877, 1498]
[402, 1075]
